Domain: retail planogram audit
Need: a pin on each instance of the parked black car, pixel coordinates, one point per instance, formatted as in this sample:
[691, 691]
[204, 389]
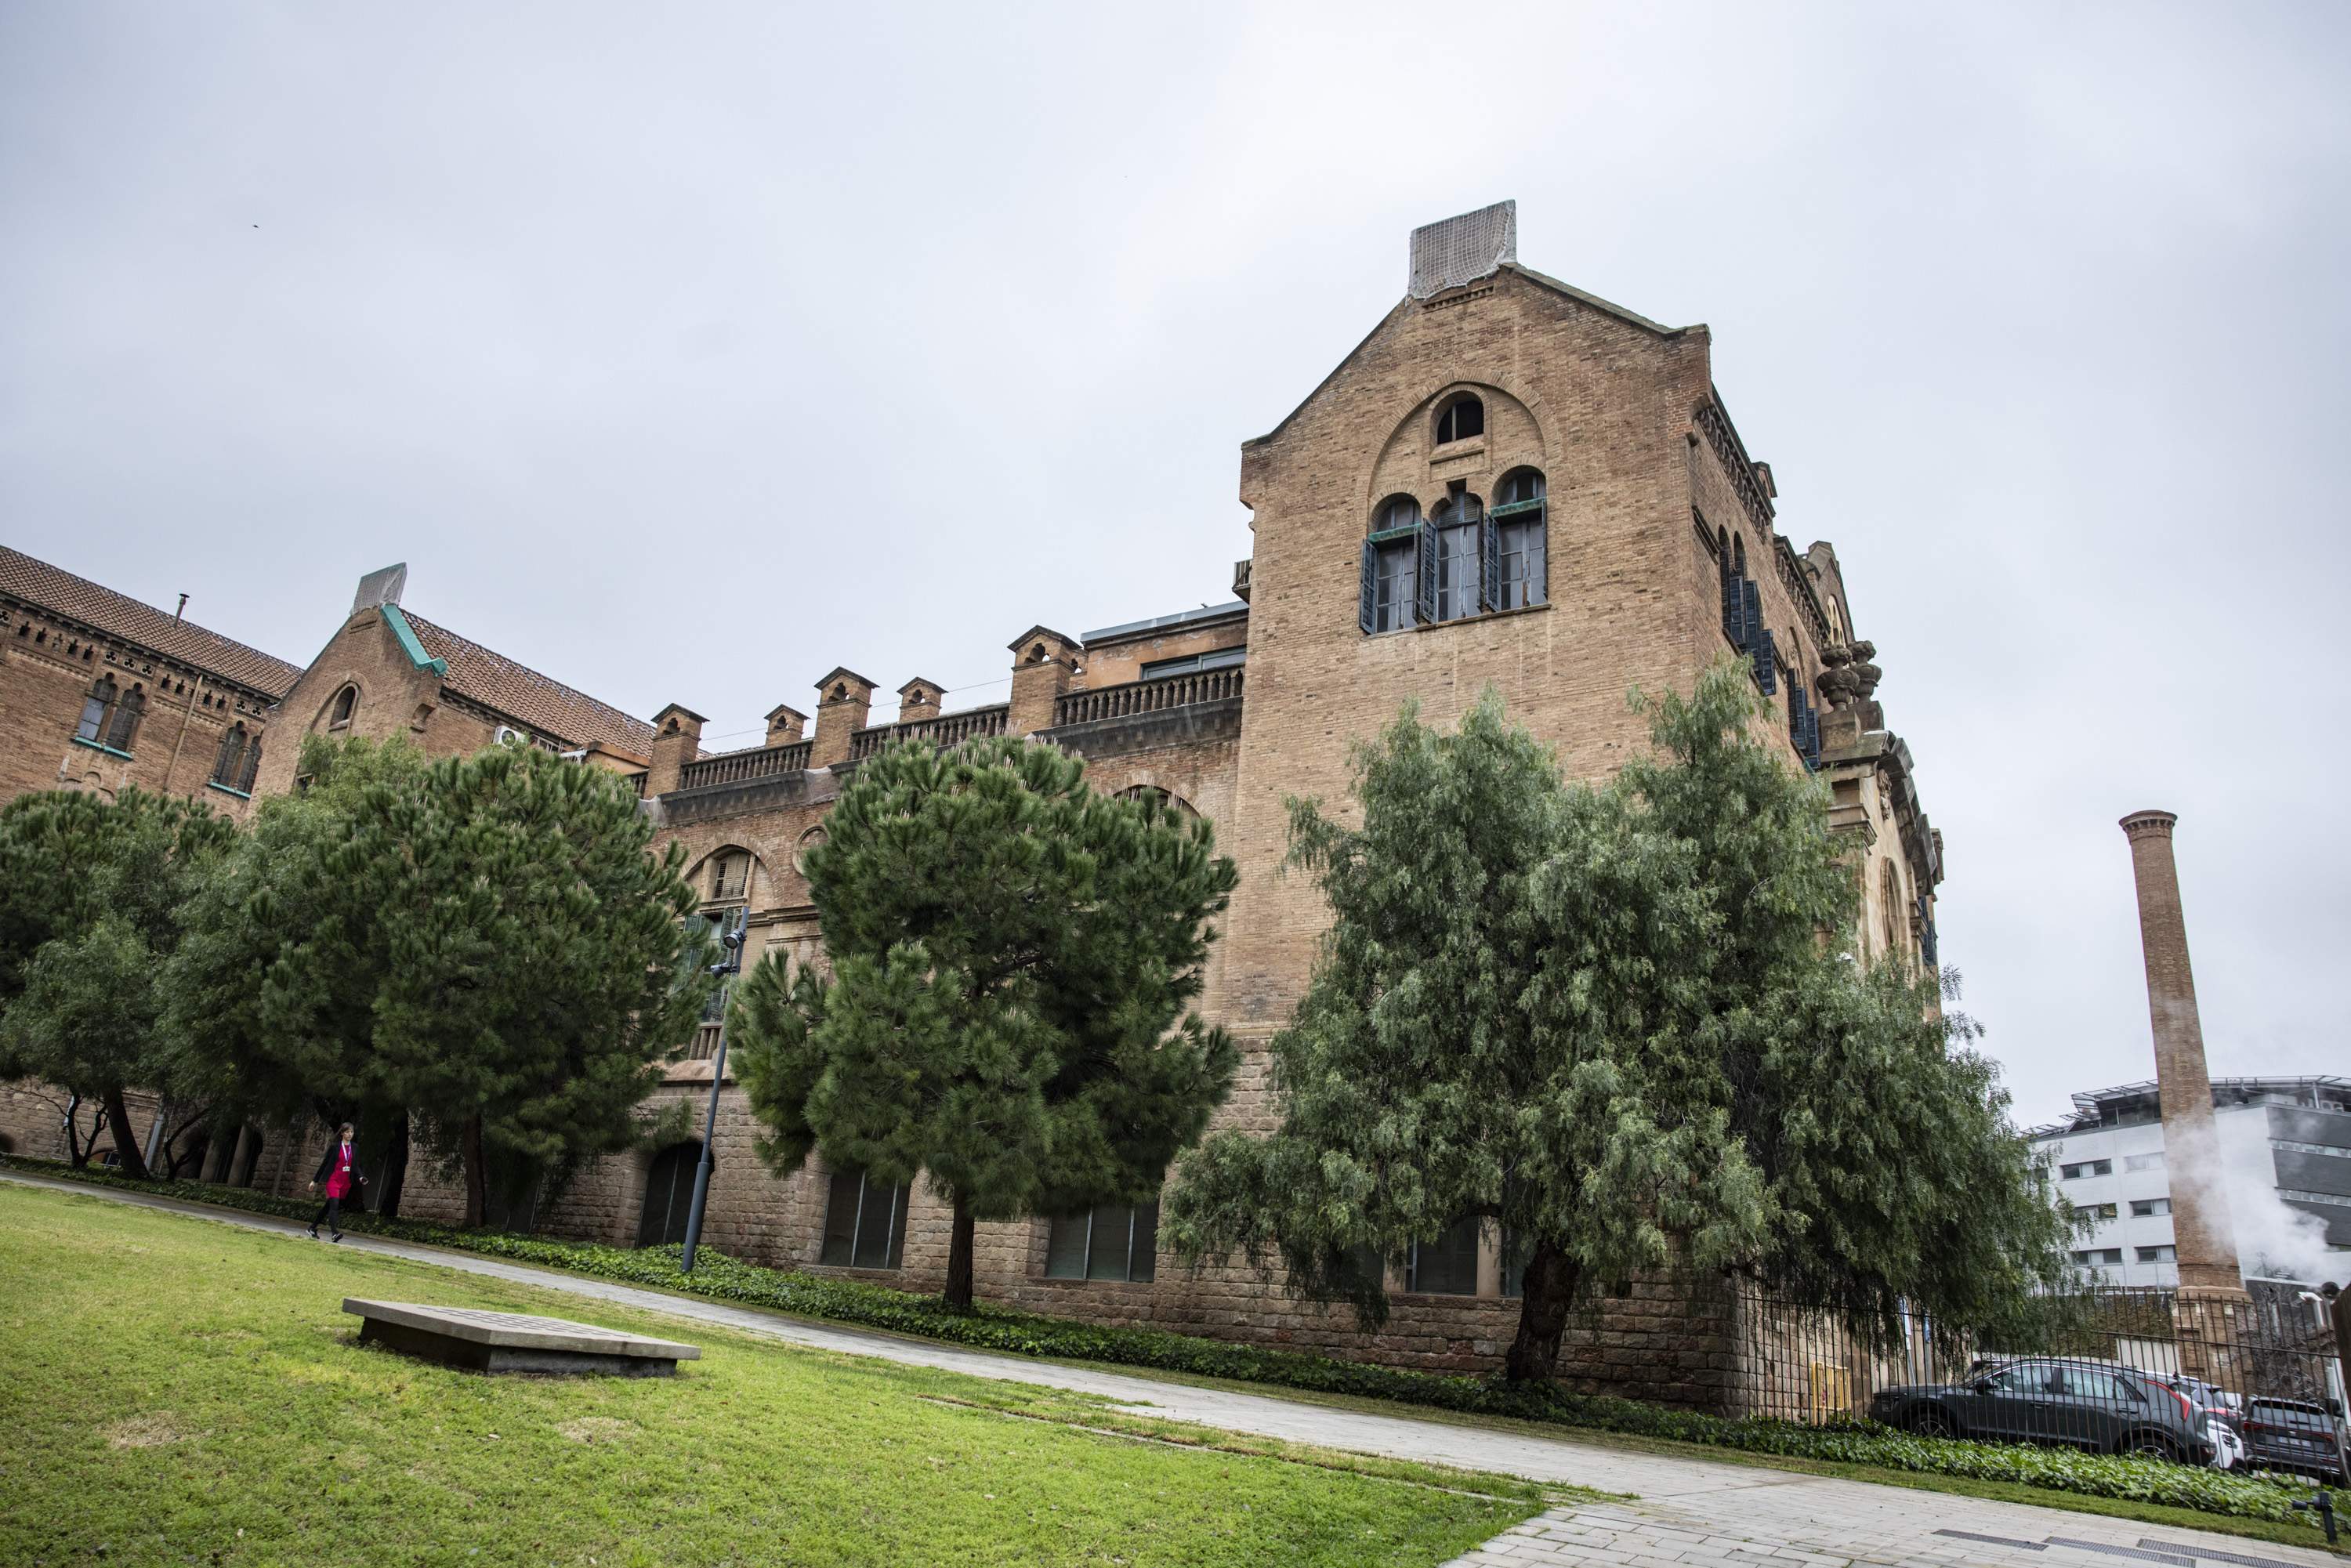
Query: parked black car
[2292, 1435]
[2089, 1404]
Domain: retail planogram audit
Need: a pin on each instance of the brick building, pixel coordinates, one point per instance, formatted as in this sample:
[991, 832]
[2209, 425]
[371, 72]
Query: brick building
[1507, 482]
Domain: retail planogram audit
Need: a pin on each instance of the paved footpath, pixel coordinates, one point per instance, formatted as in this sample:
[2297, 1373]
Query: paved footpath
[1684, 1514]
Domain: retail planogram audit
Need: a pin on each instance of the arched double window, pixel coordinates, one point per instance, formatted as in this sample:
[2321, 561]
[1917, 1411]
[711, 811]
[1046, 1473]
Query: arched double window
[238, 759]
[110, 717]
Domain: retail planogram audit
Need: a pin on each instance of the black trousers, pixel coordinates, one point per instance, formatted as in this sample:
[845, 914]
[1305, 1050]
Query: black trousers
[331, 1211]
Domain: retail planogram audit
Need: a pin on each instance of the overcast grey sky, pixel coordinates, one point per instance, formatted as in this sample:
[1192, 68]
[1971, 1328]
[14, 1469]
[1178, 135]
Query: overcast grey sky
[687, 351]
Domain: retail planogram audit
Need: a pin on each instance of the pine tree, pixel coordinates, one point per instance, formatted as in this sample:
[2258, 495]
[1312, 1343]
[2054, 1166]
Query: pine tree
[93, 896]
[488, 946]
[1013, 958]
[273, 994]
[1625, 1024]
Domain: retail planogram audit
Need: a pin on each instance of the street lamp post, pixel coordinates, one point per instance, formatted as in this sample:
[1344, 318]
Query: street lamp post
[730, 964]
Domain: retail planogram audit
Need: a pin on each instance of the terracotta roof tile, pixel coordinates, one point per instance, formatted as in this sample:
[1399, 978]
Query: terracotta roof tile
[78, 599]
[547, 707]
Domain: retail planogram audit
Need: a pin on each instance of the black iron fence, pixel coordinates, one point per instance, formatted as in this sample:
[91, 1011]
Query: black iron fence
[2106, 1368]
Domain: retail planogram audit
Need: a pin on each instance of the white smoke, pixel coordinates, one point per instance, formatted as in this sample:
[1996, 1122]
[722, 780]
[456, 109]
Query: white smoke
[2239, 1180]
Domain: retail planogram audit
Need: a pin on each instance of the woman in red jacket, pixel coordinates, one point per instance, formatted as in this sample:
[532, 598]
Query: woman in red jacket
[339, 1167]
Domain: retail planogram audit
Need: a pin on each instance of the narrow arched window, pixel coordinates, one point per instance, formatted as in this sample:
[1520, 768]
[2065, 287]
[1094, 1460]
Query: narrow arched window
[228, 763]
[94, 709]
[1521, 574]
[1459, 521]
[124, 728]
[347, 702]
[1460, 420]
[1391, 575]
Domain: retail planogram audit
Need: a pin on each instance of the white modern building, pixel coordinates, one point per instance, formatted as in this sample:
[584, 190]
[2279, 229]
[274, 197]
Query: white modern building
[2285, 1152]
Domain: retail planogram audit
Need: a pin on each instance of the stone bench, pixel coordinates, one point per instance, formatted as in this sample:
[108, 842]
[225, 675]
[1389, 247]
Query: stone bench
[484, 1341]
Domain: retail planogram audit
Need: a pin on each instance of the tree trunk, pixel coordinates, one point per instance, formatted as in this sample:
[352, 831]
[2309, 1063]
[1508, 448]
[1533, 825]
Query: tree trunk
[1547, 1290]
[77, 1152]
[478, 1187]
[395, 1168]
[958, 1291]
[126, 1148]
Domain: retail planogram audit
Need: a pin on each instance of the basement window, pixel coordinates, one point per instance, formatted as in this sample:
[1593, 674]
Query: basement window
[1446, 1266]
[1109, 1241]
[864, 1222]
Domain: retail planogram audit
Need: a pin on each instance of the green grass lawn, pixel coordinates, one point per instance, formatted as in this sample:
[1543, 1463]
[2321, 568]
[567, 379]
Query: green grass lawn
[173, 1391]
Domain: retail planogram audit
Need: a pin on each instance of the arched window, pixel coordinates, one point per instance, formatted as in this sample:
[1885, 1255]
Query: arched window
[1152, 795]
[124, 728]
[730, 876]
[94, 710]
[1458, 520]
[229, 761]
[1460, 420]
[346, 702]
[1390, 578]
[1522, 541]
[669, 1194]
[1733, 557]
[1890, 910]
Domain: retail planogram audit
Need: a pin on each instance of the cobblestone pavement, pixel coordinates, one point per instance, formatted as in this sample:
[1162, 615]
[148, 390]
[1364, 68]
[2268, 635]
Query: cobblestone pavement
[1684, 1513]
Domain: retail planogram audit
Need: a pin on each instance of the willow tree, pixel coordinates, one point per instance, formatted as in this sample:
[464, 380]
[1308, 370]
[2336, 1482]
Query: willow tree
[1625, 1023]
[1014, 959]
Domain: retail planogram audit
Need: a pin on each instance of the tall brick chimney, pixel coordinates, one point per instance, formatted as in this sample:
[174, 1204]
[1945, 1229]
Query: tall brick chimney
[2201, 1227]
[786, 724]
[918, 699]
[1042, 663]
[677, 740]
[843, 699]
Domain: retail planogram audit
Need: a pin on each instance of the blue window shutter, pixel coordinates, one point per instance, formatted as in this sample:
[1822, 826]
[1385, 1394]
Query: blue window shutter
[1425, 584]
[1750, 615]
[1796, 716]
[1733, 616]
[1367, 602]
[1489, 563]
[1766, 663]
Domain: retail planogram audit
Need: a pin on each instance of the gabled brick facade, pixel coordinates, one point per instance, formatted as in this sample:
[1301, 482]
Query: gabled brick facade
[1580, 519]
